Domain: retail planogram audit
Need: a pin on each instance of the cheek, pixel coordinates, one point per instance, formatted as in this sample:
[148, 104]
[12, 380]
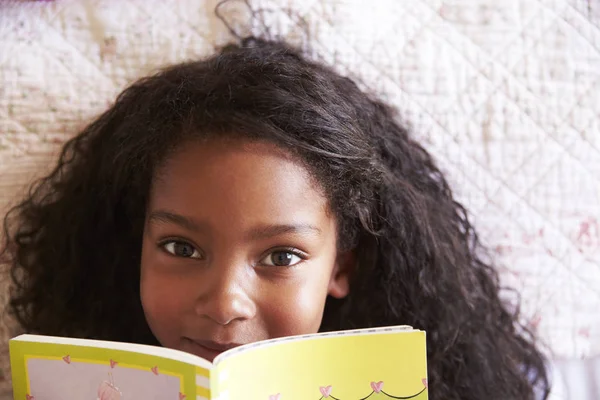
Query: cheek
[296, 309]
[163, 300]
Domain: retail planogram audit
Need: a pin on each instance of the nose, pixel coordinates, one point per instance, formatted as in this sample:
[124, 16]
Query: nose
[226, 298]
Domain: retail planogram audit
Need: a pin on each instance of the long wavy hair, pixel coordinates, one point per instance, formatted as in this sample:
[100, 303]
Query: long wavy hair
[73, 244]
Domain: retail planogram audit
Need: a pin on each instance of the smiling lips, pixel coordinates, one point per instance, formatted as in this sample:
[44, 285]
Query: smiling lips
[207, 348]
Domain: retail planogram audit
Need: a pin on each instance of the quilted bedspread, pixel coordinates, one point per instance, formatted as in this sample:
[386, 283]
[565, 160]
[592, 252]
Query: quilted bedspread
[505, 94]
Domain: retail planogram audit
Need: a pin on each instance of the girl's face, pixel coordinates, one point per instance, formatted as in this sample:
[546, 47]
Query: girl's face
[239, 246]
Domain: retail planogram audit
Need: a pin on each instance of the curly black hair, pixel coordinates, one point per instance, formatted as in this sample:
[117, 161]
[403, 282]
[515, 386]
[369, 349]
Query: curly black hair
[75, 240]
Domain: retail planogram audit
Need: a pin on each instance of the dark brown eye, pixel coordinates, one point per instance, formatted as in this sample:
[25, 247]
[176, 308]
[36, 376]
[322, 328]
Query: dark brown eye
[281, 258]
[181, 249]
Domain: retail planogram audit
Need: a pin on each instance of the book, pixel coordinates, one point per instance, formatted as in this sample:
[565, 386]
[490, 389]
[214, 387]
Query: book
[374, 364]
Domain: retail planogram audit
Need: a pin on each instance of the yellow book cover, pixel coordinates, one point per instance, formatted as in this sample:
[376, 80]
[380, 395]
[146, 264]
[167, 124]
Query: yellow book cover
[379, 363]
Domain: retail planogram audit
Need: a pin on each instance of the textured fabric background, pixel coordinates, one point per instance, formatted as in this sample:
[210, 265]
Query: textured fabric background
[505, 94]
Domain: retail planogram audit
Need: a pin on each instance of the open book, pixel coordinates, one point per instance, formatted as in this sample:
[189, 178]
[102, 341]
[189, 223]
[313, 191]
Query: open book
[380, 363]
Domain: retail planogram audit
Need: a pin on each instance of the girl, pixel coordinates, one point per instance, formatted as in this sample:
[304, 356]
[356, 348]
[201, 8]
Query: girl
[253, 195]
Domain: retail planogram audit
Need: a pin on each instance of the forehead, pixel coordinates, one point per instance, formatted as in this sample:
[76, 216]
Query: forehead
[237, 181]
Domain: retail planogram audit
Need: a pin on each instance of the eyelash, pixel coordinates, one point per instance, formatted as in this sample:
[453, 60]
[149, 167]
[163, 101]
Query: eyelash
[292, 250]
[163, 243]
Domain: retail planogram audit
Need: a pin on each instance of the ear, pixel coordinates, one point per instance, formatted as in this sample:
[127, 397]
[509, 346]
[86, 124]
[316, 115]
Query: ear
[339, 283]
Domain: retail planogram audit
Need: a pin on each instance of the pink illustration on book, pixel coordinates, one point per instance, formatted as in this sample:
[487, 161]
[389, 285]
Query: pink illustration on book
[67, 359]
[275, 396]
[376, 388]
[154, 370]
[29, 397]
[113, 363]
[325, 391]
[108, 391]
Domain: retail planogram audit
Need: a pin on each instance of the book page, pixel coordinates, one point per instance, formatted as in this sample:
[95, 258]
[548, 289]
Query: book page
[72, 369]
[383, 365]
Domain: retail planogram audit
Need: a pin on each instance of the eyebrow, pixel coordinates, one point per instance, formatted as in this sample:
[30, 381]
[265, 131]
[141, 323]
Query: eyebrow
[169, 217]
[257, 233]
[269, 231]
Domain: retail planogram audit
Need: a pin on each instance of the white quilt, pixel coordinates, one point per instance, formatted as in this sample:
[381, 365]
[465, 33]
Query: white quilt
[504, 93]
